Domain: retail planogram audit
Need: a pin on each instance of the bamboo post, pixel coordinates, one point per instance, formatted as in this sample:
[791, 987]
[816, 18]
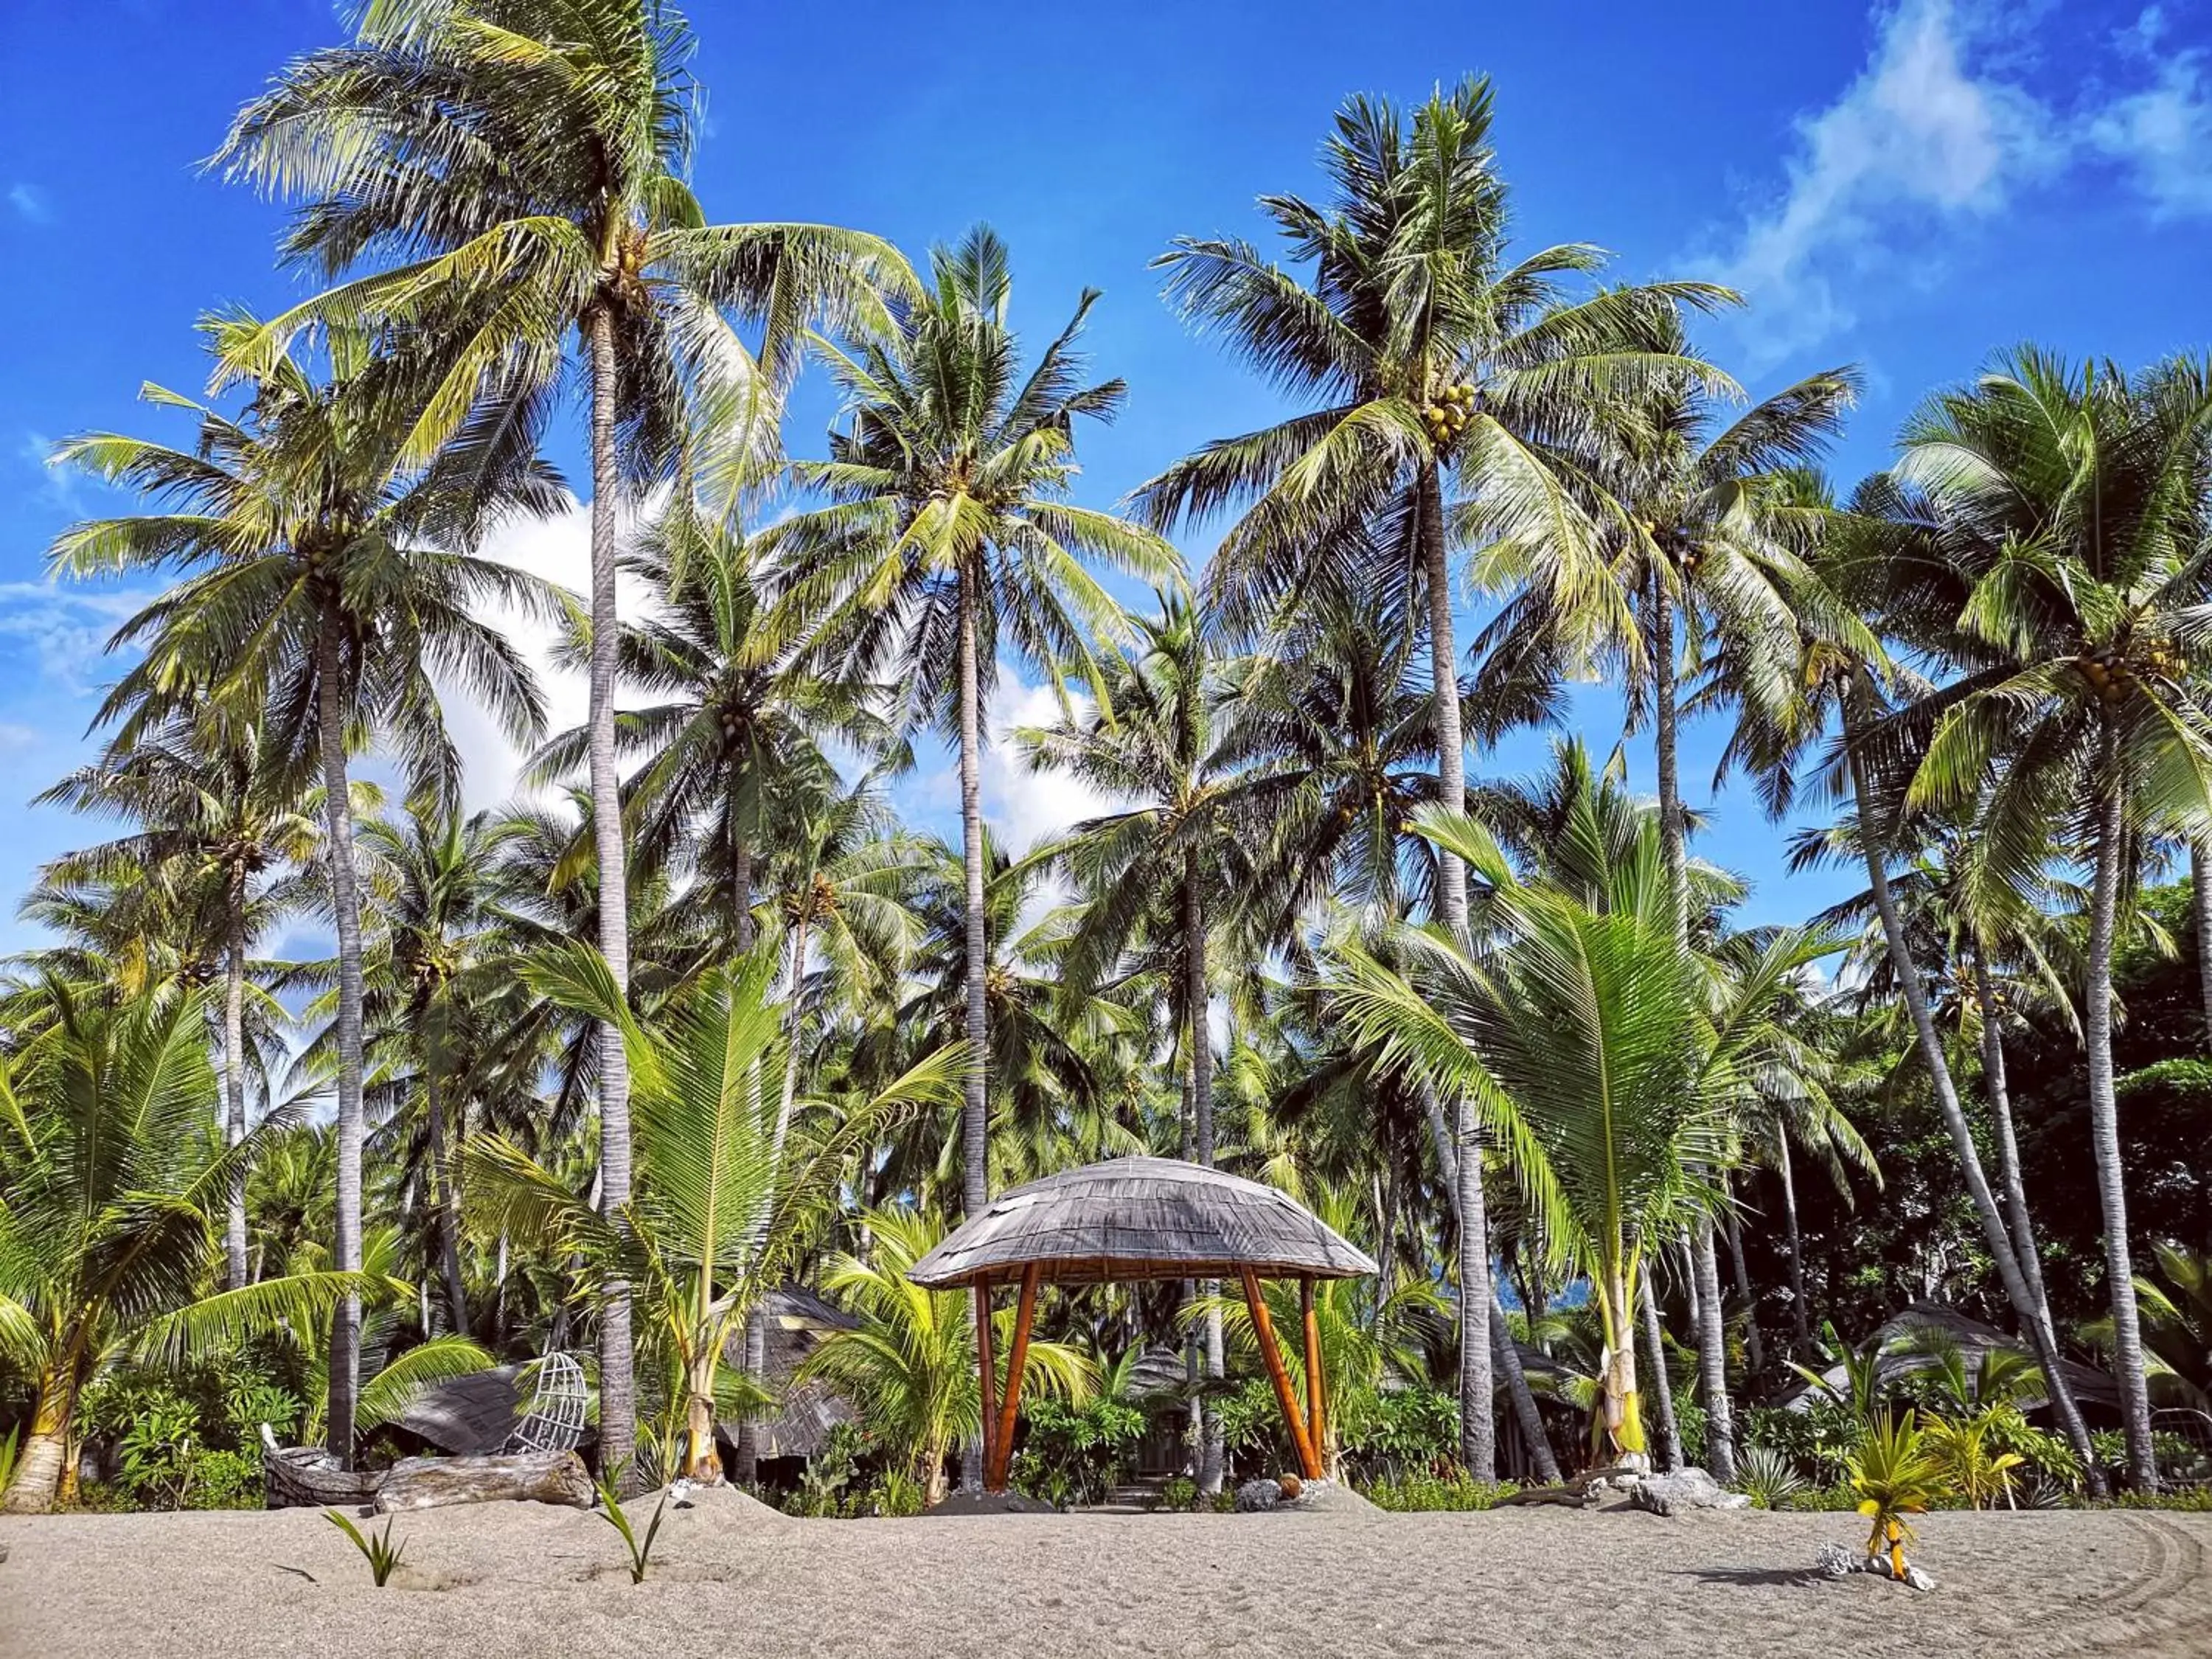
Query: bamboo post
[1002, 1451]
[1263, 1327]
[1316, 1411]
[987, 1364]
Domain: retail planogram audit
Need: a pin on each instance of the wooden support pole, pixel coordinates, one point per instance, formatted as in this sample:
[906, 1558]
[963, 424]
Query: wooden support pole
[1316, 1410]
[994, 1478]
[989, 1364]
[1263, 1327]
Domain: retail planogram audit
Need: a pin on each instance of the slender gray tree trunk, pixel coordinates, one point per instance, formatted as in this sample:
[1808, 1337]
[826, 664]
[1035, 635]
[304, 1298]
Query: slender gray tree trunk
[1526, 1418]
[1661, 1390]
[748, 1438]
[741, 891]
[746, 1447]
[234, 1080]
[1713, 1359]
[975, 1119]
[1874, 840]
[345, 906]
[617, 1384]
[2105, 1129]
[2200, 898]
[2008, 1171]
[975, 1108]
[1196, 1002]
[1753, 1351]
[1800, 1313]
[444, 1203]
[1478, 1431]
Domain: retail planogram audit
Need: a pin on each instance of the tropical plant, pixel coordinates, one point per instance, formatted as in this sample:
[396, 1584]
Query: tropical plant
[640, 1546]
[1768, 1478]
[1894, 1477]
[377, 1549]
[910, 1363]
[109, 1244]
[539, 196]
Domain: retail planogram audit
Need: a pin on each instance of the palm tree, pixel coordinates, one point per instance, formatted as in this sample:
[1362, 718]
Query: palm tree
[733, 715]
[722, 1199]
[950, 540]
[1432, 358]
[535, 204]
[210, 813]
[109, 1245]
[911, 1361]
[325, 589]
[2075, 506]
[1877, 562]
[1606, 1062]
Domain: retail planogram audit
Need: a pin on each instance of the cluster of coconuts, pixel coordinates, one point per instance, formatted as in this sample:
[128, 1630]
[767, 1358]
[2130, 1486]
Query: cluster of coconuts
[1447, 417]
[1963, 983]
[2113, 675]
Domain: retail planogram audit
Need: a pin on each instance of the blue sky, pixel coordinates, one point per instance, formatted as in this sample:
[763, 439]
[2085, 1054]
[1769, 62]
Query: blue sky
[1906, 187]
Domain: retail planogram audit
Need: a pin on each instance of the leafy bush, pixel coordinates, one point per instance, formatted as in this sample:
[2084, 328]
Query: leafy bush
[1401, 1429]
[1455, 1489]
[1179, 1495]
[1076, 1454]
[897, 1493]
[1769, 1478]
[225, 1481]
[1818, 1442]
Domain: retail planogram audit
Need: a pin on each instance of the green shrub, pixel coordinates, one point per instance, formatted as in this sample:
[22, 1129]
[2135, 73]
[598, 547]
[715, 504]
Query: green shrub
[225, 1481]
[1769, 1478]
[1427, 1489]
[1077, 1454]
[1179, 1495]
[1401, 1429]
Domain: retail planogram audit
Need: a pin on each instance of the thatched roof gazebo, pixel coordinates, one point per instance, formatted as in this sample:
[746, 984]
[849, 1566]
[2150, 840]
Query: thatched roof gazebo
[1131, 1219]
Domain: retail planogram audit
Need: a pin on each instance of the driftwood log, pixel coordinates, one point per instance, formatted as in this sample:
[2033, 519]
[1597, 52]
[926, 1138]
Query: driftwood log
[1579, 1493]
[430, 1483]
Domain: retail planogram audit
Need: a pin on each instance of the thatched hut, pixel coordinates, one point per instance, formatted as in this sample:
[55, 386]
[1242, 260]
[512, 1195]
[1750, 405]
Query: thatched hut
[794, 1320]
[1910, 1341]
[1136, 1218]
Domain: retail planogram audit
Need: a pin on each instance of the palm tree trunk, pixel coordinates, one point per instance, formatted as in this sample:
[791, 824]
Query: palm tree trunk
[444, 1206]
[741, 891]
[975, 1120]
[617, 1384]
[748, 1437]
[2009, 1171]
[1516, 1380]
[2200, 897]
[1874, 840]
[1713, 1359]
[1800, 1314]
[41, 1476]
[2104, 1129]
[1752, 1349]
[233, 1078]
[1672, 824]
[1477, 1430]
[1655, 1361]
[345, 906]
[1196, 1004]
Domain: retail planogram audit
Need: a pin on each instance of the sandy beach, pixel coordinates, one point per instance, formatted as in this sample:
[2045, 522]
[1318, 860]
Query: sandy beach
[495, 1581]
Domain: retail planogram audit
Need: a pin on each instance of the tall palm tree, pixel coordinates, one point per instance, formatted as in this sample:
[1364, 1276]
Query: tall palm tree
[212, 814]
[2076, 504]
[109, 1238]
[951, 538]
[522, 162]
[325, 589]
[1432, 358]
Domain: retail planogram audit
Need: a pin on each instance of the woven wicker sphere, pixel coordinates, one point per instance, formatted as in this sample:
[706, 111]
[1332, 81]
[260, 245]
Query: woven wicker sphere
[1139, 1218]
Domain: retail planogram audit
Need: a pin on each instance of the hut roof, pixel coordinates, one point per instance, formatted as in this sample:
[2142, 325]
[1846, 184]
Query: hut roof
[1910, 1341]
[794, 1320]
[467, 1416]
[1135, 1219]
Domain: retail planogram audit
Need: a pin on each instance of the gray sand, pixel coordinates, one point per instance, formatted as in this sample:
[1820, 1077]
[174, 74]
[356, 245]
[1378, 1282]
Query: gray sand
[733, 1579]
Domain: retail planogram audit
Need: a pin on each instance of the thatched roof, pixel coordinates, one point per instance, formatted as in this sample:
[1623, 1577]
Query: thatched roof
[1905, 1342]
[1135, 1219]
[796, 1320]
[469, 1416]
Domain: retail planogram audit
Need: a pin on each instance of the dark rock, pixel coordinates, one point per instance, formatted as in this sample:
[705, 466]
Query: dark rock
[1254, 1496]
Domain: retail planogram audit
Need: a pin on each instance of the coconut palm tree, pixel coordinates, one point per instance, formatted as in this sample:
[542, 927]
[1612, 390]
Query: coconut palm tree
[711, 1166]
[950, 539]
[1609, 1065]
[326, 589]
[110, 1246]
[2076, 505]
[534, 209]
[911, 1361]
[1433, 359]
[210, 813]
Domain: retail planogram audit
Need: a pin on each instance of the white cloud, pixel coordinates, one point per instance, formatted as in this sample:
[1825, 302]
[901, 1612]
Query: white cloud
[30, 201]
[1939, 130]
[66, 628]
[14, 738]
[1021, 806]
